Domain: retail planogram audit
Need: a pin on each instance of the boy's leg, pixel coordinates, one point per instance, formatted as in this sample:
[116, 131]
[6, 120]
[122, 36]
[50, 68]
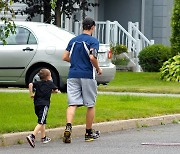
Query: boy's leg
[44, 138]
[31, 138]
[43, 131]
[38, 128]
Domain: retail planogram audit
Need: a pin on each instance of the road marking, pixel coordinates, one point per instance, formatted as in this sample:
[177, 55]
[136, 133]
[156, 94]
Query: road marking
[161, 144]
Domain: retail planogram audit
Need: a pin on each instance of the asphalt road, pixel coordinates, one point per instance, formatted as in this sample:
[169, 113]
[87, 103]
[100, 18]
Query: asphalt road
[122, 142]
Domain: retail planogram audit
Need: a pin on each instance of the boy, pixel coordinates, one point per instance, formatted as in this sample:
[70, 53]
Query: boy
[43, 90]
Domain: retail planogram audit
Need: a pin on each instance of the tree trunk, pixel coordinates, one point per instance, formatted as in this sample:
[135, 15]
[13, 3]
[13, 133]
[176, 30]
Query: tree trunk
[47, 11]
[58, 14]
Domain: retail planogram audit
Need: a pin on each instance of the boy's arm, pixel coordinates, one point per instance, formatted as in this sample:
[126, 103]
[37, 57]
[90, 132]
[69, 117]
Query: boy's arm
[56, 91]
[31, 90]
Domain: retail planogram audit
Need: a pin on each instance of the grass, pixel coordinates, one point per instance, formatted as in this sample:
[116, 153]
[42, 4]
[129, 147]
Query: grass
[140, 82]
[17, 112]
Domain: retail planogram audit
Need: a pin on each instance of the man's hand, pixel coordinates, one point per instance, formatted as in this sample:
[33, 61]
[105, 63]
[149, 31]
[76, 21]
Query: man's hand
[99, 71]
[65, 56]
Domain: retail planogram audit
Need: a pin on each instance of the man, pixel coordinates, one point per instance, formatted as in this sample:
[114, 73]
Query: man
[82, 53]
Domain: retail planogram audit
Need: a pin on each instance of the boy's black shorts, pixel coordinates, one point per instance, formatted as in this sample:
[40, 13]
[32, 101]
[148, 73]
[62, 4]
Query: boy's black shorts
[41, 112]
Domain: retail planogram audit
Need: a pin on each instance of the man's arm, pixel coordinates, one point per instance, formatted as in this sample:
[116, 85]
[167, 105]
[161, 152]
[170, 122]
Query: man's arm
[65, 56]
[95, 64]
[31, 90]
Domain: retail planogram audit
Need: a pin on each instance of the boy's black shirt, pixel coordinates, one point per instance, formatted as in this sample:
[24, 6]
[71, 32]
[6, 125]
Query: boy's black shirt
[43, 90]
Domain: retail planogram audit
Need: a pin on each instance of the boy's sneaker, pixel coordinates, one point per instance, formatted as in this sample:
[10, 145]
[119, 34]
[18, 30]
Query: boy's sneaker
[31, 140]
[67, 135]
[45, 140]
[93, 136]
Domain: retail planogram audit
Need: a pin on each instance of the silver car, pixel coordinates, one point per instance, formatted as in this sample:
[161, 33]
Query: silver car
[39, 45]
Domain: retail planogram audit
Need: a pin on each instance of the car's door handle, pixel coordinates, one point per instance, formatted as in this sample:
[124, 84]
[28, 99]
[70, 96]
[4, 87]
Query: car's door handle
[28, 49]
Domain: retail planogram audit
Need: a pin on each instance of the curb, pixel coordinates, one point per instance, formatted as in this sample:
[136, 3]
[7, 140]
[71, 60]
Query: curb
[104, 127]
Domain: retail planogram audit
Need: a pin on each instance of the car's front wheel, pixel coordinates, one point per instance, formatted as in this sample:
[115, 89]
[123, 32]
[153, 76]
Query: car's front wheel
[34, 76]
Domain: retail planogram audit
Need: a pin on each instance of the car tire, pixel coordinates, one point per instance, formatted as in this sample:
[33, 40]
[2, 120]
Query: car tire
[34, 74]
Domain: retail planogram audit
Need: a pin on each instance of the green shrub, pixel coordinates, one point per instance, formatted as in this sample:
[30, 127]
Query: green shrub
[175, 24]
[118, 49]
[170, 70]
[120, 61]
[152, 57]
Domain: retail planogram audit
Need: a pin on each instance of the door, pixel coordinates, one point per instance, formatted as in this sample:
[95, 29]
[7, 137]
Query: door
[17, 54]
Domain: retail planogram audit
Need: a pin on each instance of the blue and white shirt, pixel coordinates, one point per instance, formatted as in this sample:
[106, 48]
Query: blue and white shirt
[81, 66]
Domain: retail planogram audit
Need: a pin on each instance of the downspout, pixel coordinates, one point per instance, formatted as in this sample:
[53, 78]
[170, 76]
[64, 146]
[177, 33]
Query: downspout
[142, 15]
[96, 11]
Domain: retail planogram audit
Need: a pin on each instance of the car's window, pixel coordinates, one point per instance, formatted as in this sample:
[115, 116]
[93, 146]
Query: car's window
[22, 36]
[32, 39]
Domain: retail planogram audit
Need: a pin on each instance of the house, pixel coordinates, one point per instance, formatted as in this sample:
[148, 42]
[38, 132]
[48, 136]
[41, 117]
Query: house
[153, 16]
[134, 23]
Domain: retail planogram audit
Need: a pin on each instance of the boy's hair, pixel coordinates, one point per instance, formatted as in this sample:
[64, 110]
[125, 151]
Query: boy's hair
[88, 23]
[44, 73]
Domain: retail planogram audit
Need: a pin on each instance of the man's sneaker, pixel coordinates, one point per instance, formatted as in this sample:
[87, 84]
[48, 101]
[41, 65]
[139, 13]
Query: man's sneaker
[31, 140]
[93, 136]
[67, 135]
[45, 140]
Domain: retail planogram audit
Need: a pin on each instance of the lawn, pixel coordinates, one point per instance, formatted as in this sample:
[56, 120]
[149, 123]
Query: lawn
[17, 113]
[140, 82]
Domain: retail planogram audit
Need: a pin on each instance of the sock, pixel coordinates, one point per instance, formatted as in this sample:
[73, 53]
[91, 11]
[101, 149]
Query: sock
[44, 137]
[32, 135]
[89, 131]
[69, 125]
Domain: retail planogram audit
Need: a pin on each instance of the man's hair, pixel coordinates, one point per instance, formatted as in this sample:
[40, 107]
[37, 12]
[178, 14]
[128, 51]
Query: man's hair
[44, 73]
[88, 23]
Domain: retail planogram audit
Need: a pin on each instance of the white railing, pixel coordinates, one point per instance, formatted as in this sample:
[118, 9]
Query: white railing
[112, 32]
[133, 29]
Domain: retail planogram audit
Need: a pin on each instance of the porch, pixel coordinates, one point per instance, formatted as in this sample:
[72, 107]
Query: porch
[108, 32]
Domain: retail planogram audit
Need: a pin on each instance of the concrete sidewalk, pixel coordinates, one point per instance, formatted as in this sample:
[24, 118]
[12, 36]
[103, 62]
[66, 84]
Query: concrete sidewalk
[11, 90]
[104, 127]
[140, 94]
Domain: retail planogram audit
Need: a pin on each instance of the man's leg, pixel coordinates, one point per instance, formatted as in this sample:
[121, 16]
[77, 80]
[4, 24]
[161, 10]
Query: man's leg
[69, 119]
[90, 133]
[90, 117]
[70, 113]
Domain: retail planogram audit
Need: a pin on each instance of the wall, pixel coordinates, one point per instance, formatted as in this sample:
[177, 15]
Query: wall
[120, 10]
[157, 20]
